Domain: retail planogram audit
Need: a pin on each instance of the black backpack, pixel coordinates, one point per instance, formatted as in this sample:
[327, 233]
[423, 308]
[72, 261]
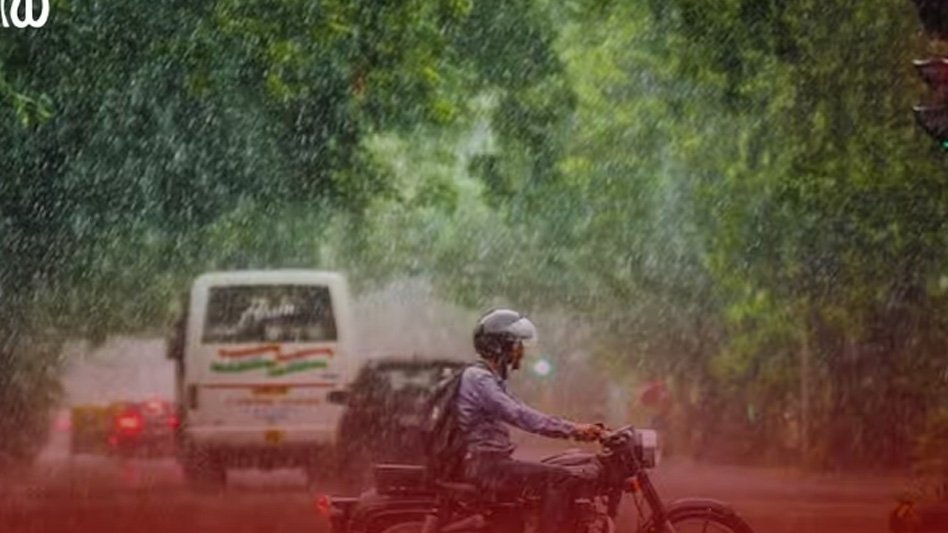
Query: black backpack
[443, 439]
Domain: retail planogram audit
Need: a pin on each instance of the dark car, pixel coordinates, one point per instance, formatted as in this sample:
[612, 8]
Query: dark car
[382, 421]
[142, 429]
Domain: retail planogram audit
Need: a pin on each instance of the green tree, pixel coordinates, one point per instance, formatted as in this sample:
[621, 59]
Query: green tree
[146, 142]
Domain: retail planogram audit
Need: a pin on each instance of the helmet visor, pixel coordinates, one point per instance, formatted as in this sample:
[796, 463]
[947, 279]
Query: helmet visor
[524, 331]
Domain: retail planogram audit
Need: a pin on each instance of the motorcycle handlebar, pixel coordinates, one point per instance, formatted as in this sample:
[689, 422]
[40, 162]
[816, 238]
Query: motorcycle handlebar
[611, 434]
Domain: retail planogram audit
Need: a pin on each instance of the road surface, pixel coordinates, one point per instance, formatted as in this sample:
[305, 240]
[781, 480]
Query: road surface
[92, 494]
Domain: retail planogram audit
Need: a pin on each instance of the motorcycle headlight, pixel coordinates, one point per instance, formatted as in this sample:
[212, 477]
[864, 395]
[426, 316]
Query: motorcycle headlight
[647, 443]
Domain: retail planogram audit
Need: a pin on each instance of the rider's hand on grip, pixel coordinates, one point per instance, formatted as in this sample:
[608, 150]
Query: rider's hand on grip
[587, 432]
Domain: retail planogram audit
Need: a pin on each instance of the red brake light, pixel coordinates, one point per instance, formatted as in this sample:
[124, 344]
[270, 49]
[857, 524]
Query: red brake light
[323, 505]
[173, 421]
[129, 422]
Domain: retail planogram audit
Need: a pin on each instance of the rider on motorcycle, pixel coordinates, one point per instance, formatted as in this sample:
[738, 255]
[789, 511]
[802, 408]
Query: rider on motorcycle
[485, 407]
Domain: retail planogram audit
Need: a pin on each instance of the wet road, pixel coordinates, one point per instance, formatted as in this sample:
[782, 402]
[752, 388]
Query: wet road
[785, 501]
[97, 495]
[90, 494]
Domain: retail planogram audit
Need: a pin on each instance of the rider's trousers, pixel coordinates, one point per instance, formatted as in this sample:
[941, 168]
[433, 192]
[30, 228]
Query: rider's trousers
[556, 486]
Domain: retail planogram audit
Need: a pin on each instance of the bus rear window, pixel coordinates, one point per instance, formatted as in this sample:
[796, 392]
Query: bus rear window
[269, 313]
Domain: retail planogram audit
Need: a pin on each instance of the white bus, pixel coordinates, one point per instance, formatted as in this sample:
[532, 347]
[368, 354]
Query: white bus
[263, 359]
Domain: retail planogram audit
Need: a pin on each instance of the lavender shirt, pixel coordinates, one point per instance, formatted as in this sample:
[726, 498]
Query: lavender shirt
[485, 407]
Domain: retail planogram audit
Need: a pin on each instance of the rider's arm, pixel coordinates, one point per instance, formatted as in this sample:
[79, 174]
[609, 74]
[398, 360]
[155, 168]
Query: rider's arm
[501, 404]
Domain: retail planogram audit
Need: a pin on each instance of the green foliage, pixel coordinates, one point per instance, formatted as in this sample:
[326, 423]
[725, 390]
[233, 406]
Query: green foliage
[718, 187]
[146, 142]
[741, 179]
[817, 216]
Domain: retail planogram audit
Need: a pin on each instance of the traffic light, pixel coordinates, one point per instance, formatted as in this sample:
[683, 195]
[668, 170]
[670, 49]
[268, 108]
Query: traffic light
[934, 118]
[934, 16]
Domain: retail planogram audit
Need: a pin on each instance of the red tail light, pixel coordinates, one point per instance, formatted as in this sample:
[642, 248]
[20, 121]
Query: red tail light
[129, 423]
[173, 422]
[323, 505]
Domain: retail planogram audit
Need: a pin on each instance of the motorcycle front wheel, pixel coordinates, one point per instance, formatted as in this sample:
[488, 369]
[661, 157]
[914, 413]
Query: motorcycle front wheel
[700, 519]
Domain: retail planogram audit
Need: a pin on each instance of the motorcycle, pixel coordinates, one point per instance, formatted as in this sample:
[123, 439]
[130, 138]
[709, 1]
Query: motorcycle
[405, 501]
